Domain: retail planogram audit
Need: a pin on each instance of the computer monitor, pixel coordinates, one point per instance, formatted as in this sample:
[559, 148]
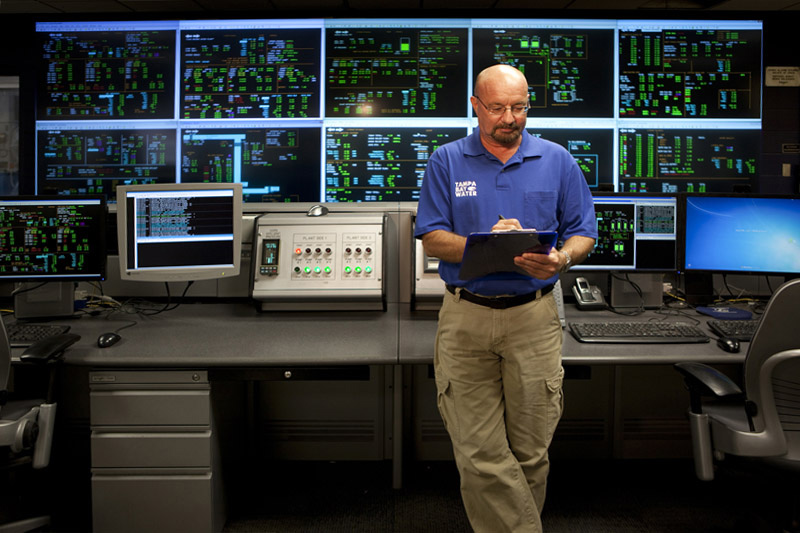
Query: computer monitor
[52, 238]
[742, 234]
[636, 233]
[179, 232]
[51, 242]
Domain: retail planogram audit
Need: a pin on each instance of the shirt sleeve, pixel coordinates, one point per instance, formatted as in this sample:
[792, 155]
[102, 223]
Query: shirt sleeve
[434, 210]
[577, 207]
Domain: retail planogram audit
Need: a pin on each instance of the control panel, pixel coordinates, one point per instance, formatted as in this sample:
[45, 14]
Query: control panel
[325, 262]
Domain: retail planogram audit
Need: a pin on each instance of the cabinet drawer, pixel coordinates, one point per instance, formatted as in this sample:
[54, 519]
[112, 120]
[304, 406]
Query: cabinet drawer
[151, 449]
[149, 407]
[174, 503]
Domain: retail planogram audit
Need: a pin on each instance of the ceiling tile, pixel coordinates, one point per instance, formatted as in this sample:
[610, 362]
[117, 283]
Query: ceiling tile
[25, 6]
[176, 6]
[609, 4]
[394, 4]
[762, 5]
[86, 6]
[308, 4]
[526, 4]
[235, 5]
[461, 4]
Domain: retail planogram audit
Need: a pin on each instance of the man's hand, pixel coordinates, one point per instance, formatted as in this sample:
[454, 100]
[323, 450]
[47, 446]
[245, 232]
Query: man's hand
[540, 266]
[507, 224]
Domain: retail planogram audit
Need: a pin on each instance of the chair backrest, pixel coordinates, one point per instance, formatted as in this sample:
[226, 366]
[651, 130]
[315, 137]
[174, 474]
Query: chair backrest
[5, 358]
[778, 331]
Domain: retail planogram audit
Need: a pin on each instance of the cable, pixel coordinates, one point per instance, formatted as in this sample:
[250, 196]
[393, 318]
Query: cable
[637, 311]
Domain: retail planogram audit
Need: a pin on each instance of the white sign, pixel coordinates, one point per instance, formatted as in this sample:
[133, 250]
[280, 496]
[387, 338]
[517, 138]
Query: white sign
[782, 77]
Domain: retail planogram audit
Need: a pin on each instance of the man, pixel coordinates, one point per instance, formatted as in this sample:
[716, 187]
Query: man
[498, 347]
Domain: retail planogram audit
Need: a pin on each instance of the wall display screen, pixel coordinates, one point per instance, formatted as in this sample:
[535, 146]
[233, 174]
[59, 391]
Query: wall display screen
[687, 160]
[593, 149]
[273, 163]
[349, 110]
[380, 164]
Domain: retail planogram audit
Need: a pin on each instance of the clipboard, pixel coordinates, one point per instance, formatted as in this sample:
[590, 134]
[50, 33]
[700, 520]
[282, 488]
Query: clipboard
[494, 252]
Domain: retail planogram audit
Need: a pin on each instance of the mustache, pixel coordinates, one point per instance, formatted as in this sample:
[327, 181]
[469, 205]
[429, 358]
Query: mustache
[512, 126]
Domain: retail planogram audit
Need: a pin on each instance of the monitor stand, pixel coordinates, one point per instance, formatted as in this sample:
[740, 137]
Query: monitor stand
[624, 295]
[50, 300]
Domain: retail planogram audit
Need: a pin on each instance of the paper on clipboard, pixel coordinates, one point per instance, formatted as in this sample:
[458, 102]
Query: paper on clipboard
[494, 252]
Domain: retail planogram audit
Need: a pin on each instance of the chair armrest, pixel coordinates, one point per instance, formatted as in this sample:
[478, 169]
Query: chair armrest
[48, 349]
[703, 380]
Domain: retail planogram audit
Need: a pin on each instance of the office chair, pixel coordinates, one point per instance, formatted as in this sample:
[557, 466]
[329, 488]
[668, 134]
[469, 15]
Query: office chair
[761, 419]
[26, 426]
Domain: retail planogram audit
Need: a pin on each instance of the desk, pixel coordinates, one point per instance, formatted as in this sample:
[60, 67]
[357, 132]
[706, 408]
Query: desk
[418, 329]
[155, 422]
[224, 335]
[203, 343]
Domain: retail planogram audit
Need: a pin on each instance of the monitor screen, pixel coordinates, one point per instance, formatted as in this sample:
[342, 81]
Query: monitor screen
[742, 234]
[593, 150]
[635, 233]
[688, 160]
[689, 71]
[179, 232]
[273, 163]
[348, 109]
[380, 164]
[73, 159]
[49, 238]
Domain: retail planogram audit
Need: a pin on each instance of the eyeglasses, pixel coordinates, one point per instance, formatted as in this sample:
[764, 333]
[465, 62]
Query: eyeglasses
[517, 110]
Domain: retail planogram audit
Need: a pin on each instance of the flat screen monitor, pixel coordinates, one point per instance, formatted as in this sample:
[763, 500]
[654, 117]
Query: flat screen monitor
[636, 232]
[179, 232]
[52, 238]
[742, 234]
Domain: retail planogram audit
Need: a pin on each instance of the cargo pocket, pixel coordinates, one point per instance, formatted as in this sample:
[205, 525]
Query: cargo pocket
[555, 402]
[444, 401]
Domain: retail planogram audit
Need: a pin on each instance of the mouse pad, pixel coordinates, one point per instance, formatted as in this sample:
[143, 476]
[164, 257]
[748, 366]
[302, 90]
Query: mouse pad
[722, 312]
[492, 252]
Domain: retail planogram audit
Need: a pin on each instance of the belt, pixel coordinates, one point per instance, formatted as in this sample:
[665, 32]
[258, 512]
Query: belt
[500, 302]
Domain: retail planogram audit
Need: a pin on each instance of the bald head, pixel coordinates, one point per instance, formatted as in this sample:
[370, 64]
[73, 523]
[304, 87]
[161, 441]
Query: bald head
[503, 77]
[499, 90]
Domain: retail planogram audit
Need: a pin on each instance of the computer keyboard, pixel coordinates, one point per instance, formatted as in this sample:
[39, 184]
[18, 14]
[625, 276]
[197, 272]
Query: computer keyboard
[741, 330]
[637, 332]
[22, 335]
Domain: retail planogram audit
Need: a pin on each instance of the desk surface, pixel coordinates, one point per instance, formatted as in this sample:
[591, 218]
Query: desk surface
[236, 335]
[418, 329]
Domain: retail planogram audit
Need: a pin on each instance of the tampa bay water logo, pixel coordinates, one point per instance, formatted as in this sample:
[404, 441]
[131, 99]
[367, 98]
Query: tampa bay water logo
[466, 188]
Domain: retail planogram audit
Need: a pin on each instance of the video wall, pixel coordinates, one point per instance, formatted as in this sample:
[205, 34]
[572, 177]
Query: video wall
[349, 110]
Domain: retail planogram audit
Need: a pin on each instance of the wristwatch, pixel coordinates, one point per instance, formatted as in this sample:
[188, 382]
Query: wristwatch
[568, 262]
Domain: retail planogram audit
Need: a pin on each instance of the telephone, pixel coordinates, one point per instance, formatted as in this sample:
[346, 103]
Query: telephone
[587, 296]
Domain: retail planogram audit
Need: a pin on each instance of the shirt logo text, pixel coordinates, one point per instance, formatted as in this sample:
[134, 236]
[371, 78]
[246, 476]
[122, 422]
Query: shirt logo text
[466, 188]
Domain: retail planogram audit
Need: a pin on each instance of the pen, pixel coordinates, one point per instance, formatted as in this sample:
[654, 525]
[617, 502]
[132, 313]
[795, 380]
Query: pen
[500, 217]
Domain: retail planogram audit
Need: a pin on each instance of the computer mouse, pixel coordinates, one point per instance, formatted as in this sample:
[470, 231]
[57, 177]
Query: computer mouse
[108, 339]
[729, 344]
[317, 210]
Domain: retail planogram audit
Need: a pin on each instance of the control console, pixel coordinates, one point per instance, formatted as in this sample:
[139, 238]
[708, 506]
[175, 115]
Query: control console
[319, 263]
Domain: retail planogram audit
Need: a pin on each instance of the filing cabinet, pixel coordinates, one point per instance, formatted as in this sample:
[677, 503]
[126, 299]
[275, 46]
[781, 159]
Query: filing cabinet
[154, 458]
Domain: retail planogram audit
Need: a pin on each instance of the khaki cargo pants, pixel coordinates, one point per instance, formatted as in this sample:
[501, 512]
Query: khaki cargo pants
[499, 381]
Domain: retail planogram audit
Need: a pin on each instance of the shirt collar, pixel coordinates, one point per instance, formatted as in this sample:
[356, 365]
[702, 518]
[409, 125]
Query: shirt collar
[530, 147]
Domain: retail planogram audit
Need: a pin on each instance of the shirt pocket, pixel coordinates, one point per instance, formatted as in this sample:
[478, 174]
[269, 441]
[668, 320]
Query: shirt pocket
[540, 210]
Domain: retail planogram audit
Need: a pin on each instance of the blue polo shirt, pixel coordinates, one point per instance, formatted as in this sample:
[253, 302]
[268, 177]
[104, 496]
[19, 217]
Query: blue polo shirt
[465, 188]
